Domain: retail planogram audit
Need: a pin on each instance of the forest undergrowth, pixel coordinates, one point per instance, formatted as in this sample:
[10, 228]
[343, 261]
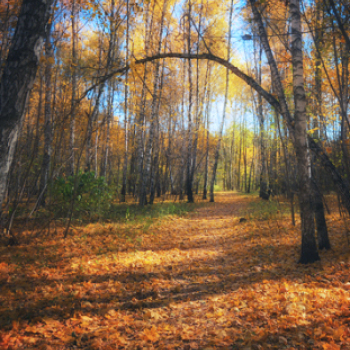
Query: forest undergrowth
[199, 279]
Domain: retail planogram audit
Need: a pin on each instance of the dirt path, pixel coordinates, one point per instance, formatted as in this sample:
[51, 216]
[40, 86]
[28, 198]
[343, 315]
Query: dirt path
[203, 281]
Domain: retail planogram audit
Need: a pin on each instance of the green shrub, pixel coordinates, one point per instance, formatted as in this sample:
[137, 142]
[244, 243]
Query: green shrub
[90, 194]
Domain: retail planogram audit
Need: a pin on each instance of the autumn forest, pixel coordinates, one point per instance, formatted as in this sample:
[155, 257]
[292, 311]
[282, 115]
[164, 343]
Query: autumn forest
[174, 174]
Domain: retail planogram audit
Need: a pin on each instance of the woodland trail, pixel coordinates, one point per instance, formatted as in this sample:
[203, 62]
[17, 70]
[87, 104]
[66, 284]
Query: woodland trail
[201, 281]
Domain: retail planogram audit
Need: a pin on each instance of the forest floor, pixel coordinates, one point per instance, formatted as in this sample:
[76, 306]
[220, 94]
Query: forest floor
[202, 280]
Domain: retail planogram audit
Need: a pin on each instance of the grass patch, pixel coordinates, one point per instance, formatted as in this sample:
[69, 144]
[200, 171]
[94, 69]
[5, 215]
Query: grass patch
[127, 213]
[135, 213]
[125, 220]
[266, 210]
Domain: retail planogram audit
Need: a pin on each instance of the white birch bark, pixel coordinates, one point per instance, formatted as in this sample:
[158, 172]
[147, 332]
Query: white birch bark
[308, 247]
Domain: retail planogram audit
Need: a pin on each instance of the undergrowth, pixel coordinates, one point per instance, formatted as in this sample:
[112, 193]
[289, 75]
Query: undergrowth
[87, 198]
[134, 212]
[267, 210]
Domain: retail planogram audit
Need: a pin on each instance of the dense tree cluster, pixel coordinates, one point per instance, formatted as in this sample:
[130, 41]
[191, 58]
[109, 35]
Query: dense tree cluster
[158, 97]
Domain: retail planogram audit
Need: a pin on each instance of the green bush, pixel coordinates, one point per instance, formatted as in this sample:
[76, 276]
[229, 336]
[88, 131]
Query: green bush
[90, 194]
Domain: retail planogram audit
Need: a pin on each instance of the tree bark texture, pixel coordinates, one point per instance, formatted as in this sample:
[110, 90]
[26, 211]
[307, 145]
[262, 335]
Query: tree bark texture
[18, 78]
[322, 232]
[74, 89]
[308, 249]
[126, 111]
[48, 127]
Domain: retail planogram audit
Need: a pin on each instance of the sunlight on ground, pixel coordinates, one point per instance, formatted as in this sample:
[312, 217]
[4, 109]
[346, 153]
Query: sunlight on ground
[205, 280]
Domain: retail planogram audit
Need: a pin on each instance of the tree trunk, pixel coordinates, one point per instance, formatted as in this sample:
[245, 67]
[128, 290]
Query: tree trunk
[157, 98]
[111, 89]
[318, 39]
[74, 89]
[217, 151]
[232, 156]
[244, 160]
[250, 173]
[239, 160]
[322, 232]
[141, 122]
[48, 127]
[110, 99]
[309, 249]
[18, 78]
[207, 112]
[91, 123]
[189, 179]
[126, 117]
[264, 175]
[94, 117]
[344, 108]
[140, 146]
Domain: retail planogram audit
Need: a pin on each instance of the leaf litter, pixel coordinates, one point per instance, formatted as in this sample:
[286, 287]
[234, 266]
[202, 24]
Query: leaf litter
[201, 281]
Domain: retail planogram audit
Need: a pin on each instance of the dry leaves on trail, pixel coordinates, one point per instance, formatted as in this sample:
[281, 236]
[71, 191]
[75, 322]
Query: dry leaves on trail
[203, 281]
